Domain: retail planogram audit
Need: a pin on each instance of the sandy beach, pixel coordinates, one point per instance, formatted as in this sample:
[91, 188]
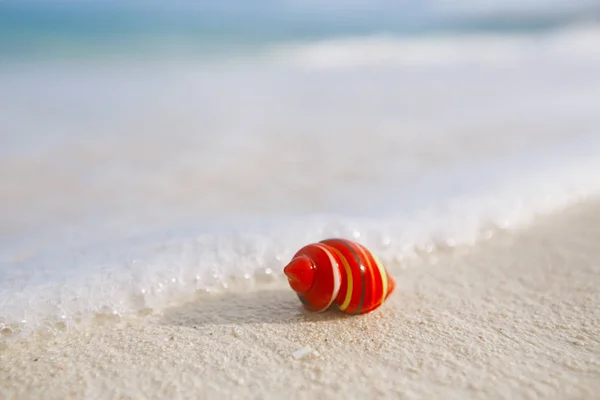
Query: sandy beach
[160, 164]
[517, 316]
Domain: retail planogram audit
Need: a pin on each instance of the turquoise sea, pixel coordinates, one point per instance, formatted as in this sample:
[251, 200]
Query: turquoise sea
[49, 28]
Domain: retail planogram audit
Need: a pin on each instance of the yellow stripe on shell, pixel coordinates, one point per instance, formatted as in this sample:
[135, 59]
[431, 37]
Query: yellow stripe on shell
[383, 274]
[346, 302]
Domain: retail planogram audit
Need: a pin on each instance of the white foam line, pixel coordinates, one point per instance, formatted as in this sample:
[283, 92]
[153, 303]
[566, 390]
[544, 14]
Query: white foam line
[578, 42]
[158, 272]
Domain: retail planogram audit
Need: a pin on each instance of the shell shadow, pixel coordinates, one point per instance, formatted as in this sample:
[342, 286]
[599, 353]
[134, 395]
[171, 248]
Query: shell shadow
[275, 306]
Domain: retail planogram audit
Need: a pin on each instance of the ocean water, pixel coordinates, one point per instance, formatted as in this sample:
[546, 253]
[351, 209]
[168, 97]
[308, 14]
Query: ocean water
[142, 162]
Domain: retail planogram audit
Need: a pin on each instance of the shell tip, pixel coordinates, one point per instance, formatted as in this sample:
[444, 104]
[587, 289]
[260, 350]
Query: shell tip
[300, 273]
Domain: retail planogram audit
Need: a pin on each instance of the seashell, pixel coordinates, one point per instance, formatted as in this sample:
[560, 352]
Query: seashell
[339, 272]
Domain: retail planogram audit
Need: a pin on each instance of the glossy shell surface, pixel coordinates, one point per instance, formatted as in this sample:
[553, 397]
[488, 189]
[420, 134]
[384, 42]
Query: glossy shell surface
[339, 272]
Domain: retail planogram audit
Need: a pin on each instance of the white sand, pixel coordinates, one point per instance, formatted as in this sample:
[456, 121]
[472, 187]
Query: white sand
[515, 317]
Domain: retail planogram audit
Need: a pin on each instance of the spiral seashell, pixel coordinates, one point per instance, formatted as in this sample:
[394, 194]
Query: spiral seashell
[340, 272]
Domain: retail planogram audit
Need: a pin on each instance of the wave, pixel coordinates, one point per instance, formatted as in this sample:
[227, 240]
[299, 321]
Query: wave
[577, 41]
[458, 207]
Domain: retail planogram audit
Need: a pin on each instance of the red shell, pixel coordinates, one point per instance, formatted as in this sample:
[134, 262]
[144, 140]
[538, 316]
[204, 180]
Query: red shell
[340, 272]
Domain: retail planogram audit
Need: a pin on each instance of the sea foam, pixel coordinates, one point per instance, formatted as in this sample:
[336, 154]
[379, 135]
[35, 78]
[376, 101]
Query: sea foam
[120, 278]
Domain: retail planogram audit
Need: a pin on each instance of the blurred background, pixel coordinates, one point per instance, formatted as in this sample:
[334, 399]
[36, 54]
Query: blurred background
[432, 119]
[127, 107]
[127, 114]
